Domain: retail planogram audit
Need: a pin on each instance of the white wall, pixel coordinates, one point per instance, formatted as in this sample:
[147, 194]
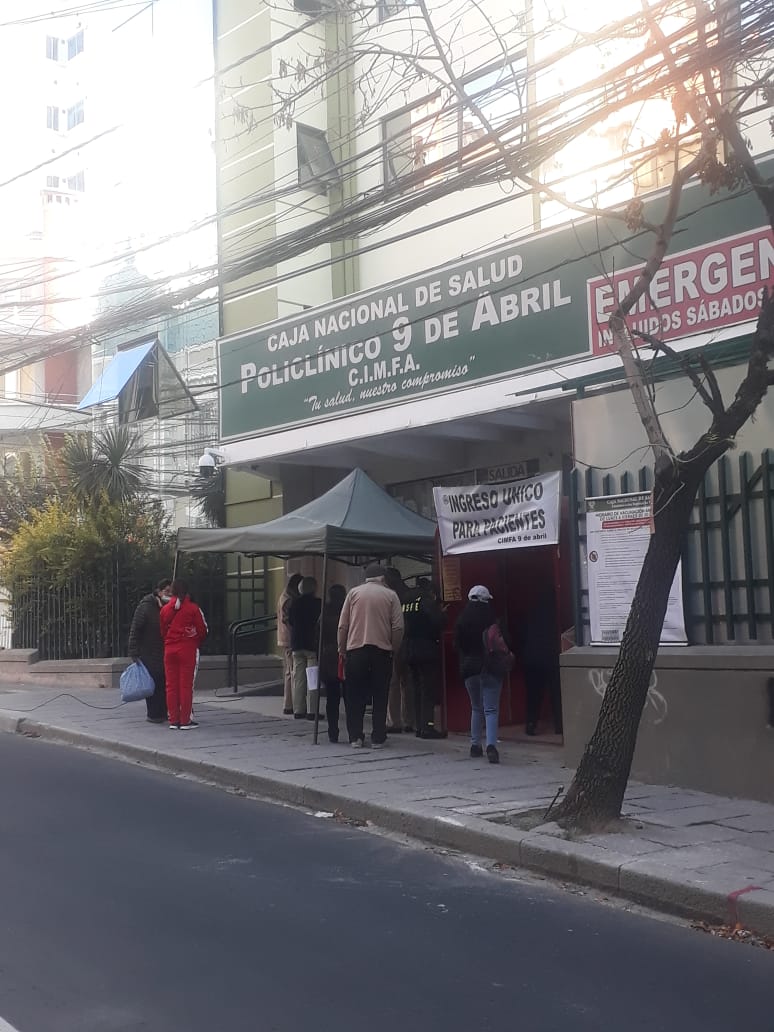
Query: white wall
[609, 435]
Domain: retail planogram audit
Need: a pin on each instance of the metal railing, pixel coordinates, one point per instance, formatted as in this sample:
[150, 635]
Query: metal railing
[727, 555]
[256, 626]
[89, 617]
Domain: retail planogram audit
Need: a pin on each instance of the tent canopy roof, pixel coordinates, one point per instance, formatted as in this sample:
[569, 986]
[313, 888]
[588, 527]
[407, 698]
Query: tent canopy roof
[356, 517]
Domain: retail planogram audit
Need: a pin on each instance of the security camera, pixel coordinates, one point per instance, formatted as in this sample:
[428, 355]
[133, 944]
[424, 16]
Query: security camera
[209, 461]
[206, 465]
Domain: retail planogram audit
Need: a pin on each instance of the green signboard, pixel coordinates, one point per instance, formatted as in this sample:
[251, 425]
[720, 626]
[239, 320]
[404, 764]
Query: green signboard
[522, 306]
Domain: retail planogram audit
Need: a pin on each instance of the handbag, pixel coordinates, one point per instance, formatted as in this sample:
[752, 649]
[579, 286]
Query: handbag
[498, 658]
[136, 683]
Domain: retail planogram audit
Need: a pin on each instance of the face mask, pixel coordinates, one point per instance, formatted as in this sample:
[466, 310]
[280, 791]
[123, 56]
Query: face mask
[165, 599]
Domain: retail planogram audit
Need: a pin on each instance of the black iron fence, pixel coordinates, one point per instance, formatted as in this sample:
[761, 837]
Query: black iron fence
[728, 552]
[88, 618]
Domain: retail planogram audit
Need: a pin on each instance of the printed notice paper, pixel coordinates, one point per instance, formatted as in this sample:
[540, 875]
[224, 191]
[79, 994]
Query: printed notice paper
[618, 529]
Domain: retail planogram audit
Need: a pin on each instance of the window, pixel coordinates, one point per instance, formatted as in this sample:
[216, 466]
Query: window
[386, 8]
[309, 6]
[316, 168]
[75, 45]
[52, 118]
[77, 182]
[444, 135]
[52, 48]
[75, 115]
[52, 182]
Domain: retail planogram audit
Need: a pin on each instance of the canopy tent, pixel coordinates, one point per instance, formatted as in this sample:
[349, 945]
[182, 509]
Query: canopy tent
[356, 517]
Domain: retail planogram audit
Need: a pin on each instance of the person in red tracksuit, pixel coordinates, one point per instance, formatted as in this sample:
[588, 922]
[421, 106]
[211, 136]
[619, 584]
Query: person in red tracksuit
[183, 629]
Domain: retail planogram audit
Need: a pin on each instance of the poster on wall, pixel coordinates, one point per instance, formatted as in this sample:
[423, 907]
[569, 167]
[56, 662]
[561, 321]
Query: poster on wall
[451, 579]
[487, 517]
[618, 529]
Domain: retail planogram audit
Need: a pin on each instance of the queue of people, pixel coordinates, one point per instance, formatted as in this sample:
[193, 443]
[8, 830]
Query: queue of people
[381, 646]
[166, 633]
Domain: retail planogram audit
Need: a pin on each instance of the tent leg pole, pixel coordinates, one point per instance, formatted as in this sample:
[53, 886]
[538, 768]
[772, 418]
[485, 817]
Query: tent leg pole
[320, 648]
[174, 567]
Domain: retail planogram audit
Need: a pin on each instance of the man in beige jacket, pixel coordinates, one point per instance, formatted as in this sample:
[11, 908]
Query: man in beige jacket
[370, 631]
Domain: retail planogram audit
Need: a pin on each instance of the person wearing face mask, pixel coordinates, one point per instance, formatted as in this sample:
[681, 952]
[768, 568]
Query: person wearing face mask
[183, 630]
[145, 645]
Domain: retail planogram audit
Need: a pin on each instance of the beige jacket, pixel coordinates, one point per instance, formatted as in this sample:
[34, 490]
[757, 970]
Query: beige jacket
[283, 629]
[371, 615]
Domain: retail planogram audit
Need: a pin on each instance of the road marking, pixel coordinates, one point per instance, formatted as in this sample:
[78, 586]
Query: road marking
[5, 1027]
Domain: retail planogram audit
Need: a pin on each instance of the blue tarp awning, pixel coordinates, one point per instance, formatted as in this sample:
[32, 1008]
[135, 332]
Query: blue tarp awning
[117, 374]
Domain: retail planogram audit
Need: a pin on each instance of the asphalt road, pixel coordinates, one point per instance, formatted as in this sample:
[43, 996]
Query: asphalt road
[133, 900]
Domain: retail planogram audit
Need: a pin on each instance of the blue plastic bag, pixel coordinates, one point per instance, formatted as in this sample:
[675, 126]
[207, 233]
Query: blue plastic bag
[136, 683]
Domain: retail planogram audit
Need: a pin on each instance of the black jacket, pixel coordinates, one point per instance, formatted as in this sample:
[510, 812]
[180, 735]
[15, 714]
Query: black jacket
[145, 641]
[303, 616]
[540, 633]
[423, 620]
[468, 636]
[329, 662]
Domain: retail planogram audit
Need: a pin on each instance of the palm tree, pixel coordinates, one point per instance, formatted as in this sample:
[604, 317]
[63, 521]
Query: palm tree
[209, 493]
[106, 464]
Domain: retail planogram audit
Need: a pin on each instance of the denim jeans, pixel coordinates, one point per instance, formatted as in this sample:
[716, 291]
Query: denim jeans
[484, 691]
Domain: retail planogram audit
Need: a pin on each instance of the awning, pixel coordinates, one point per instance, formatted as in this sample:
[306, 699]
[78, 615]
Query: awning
[354, 518]
[720, 355]
[117, 374]
[146, 383]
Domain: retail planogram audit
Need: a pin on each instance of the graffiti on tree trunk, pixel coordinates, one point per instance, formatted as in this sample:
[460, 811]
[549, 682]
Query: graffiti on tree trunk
[656, 708]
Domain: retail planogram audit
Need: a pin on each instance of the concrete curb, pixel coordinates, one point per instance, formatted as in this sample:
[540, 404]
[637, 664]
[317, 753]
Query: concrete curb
[546, 852]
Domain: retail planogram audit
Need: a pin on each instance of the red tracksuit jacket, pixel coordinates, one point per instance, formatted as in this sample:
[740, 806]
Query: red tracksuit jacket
[182, 625]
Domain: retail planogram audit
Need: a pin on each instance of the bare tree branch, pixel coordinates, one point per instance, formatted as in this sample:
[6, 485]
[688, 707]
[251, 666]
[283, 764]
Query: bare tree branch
[751, 392]
[685, 361]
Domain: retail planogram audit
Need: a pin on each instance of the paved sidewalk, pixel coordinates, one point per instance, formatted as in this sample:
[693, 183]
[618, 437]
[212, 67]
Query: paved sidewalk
[700, 855]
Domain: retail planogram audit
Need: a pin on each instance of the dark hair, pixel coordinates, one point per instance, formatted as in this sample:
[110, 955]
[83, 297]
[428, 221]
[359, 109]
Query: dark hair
[179, 588]
[394, 581]
[163, 583]
[308, 586]
[336, 594]
[293, 581]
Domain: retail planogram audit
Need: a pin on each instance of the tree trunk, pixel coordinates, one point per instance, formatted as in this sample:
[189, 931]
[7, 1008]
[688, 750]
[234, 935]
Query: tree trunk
[596, 794]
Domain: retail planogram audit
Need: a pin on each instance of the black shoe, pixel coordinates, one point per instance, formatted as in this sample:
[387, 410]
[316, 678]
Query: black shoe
[409, 729]
[189, 726]
[310, 716]
[531, 729]
[492, 754]
[299, 716]
[156, 720]
[431, 733]
[394, 730]
[333, 739]
[476, 752]
[287, 711]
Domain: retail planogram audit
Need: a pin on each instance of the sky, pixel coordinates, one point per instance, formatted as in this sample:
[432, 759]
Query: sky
[153, 176]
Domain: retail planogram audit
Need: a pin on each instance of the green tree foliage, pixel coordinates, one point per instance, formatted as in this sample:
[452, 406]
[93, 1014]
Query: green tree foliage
[209, 494]
[108, 463]
[27, 488]
[63, 540]
[83, 542]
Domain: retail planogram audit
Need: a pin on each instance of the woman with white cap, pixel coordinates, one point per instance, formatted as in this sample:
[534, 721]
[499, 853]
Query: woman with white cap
[483, 686]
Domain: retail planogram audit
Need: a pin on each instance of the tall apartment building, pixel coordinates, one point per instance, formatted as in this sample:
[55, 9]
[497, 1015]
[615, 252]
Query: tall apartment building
[100, 160]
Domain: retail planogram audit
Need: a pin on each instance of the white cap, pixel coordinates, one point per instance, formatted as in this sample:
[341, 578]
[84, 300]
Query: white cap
[479, 593]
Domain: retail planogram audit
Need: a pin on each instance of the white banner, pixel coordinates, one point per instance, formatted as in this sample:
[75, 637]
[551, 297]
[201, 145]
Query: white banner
[492, 516]
[618, 529]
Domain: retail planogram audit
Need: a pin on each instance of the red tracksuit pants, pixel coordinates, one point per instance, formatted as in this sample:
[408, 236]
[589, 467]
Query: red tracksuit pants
[180, 668]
